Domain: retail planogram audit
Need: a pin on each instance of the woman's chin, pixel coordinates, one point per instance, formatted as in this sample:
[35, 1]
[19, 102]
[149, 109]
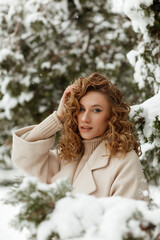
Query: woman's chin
[87, 136]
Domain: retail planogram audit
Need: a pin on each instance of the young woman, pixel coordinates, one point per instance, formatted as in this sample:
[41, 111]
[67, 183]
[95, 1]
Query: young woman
[97, 149]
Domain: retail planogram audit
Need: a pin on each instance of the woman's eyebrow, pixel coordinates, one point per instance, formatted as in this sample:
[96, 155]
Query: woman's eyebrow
[97, 105]
[94, 105]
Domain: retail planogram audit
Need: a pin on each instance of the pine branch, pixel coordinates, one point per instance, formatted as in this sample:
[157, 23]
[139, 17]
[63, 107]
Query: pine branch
[36, 200]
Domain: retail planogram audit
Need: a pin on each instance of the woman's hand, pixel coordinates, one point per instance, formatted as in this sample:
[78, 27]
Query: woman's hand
[60, 110]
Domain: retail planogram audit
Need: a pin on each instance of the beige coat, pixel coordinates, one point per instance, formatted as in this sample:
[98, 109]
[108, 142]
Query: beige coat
[99, 176]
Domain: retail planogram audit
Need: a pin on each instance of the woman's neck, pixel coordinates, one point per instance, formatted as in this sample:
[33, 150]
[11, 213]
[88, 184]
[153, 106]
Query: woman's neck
[90, 145]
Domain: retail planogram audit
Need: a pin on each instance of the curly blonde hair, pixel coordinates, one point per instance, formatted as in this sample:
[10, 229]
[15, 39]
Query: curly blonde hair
[120, 134]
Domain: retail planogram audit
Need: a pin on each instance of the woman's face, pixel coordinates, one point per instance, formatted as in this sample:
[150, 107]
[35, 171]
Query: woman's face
[93, 115]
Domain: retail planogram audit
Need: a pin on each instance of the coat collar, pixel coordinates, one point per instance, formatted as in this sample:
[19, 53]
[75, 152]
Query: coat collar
[85, 182]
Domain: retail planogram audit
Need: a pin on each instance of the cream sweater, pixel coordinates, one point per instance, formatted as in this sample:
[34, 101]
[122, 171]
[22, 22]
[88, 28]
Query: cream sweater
[47, 128]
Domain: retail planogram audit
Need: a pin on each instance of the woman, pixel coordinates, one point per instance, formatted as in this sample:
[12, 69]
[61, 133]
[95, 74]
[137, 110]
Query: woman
[97, 149]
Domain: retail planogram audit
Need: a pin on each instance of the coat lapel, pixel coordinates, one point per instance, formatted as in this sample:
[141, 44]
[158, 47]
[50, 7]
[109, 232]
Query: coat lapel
[85, 182]
[67, 171]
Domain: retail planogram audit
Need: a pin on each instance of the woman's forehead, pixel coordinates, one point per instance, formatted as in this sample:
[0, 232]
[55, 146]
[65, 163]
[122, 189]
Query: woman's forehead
[94, 98]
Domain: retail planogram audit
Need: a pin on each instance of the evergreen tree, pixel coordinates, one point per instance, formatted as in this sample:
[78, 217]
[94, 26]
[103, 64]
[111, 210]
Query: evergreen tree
[145, 58]
[52, 212]
[36, 200]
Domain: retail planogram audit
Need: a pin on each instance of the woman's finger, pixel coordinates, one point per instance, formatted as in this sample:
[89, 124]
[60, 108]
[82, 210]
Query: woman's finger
[68, 90]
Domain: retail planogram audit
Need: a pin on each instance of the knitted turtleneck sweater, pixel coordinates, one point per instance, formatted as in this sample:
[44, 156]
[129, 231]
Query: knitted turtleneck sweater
[89, 147]
[49, 126]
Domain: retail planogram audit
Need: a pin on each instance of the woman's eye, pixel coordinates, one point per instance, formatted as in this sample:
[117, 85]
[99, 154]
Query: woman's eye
[81, 109]
[97, 110]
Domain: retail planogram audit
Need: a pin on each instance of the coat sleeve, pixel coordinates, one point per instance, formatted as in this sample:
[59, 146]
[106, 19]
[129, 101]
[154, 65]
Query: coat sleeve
[33, 153]
[129, 180]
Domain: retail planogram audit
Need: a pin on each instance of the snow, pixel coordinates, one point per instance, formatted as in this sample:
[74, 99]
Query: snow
[151, 109]
[78, 5]
[8, 103]
[157, 73]
[6, 53]
[139, 20]
[82, 217]
[117, 6]
[46, 65]
[7, 212]
[146, 147]
[35, 17]
[7, 1]
[8, 175]
[145, 70]
[25, 97]
[155, 194]
[132, 57]
[86, 217]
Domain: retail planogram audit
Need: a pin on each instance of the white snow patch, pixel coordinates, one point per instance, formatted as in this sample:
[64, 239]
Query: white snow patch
[137, 15]
[7, 213]
[151, 109]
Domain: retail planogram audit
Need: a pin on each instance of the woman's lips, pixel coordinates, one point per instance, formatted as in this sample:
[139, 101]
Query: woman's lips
[85, 128]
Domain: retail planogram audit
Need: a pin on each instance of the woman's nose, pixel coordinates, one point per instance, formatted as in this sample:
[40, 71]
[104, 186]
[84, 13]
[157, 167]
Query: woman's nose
[86, 117]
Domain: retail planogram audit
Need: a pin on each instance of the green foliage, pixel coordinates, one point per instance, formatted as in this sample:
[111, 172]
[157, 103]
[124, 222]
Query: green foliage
[146, 62]
[146, 228]
[36, 201]
[136, 220]
[54, 236]
[156, 126]
[151, 165]
[151, 157]
[155, 29]
[138, 119]
[5, 145]
[48, 211]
